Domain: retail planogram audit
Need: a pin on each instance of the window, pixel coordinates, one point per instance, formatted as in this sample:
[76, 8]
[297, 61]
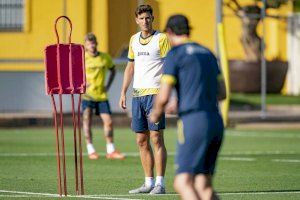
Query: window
[11, 15]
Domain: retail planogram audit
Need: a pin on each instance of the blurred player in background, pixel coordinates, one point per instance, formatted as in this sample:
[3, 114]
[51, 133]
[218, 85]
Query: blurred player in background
[194, 72]
[95, 100]
[147, 50]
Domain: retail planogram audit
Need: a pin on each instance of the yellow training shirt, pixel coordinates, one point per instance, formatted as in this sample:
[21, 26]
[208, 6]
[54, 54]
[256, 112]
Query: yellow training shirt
[96, 68]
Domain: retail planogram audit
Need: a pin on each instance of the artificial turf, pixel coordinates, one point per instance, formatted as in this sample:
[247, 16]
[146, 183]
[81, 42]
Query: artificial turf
[253, 164]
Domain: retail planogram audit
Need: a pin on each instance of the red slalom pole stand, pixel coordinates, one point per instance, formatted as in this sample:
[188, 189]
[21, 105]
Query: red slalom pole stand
[65, 74]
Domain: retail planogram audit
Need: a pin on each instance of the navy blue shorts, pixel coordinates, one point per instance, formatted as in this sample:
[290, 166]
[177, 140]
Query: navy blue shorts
[200, 137]
[98, 106]
[141, 108]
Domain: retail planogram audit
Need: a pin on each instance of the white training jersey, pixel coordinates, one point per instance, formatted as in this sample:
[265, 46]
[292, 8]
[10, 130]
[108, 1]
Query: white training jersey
[148, 61]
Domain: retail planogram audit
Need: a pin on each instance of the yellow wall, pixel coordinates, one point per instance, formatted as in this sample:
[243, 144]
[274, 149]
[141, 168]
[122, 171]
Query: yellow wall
[201, 14]
[113, 23]
[121, 24]
[39, 31]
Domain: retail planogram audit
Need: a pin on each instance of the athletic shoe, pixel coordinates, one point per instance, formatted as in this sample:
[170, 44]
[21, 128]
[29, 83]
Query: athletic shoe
[93, 156]
[116, 155]
[158, 189]
[142, 189]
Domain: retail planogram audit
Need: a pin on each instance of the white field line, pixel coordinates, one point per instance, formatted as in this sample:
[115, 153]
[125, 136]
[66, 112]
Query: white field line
[115, 197]
[29, 193]
[20, 196]
[136, 154]
[221, 194]
[237, 159]
[129, 154]
[259, 153]
[286, 160]
[262, 135]
[46, 195]
[258, 193]
[112, 197]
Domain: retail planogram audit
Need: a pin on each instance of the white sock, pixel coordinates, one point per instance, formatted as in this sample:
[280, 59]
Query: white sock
[90, 148]
[160, 181]
[110, 147]
[149, 181]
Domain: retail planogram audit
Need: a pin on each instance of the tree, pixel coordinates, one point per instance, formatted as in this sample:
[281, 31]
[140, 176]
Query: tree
[250, 18]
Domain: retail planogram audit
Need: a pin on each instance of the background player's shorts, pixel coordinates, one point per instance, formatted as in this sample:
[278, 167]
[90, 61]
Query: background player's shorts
[141, 108]
[199, 143]
[98, 106]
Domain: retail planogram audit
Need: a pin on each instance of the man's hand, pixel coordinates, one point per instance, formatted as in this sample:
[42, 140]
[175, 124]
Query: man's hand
[160, 102]
[110, 78]
[122, 102]
[154, 116]
[172, 107]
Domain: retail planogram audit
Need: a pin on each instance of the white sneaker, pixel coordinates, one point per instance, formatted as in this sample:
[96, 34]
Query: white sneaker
[142, 189]
[158, 189]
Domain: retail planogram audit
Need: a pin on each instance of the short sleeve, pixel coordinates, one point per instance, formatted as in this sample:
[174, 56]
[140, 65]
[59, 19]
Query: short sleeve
[216, 67]
[169, 69]
[130, 50]
[164, 45]
[110, 63]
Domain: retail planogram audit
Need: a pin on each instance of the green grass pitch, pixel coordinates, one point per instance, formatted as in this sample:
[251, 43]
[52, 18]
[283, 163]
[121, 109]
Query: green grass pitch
[256, 164]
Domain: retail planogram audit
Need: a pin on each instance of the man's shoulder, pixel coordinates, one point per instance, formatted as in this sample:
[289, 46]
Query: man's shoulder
[162, 35]
[135, 35]
[193, 47]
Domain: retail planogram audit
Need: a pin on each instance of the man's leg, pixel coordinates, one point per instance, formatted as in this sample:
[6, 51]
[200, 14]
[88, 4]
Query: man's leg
[147, 160]
[140, 126]
[160, 152]
[109, 137]
[160, 157]
[203, 186]
[146, 154]
[87, 124]
[184, 186]
[107, 127]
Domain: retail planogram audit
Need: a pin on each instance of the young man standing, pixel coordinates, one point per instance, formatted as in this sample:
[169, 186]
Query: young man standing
[147, 50]
[96, 99]
[194, 72]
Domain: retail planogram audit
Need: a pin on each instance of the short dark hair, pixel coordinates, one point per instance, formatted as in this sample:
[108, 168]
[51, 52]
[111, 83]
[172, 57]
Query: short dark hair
[178, 24]
[143, 9]
[90, 37]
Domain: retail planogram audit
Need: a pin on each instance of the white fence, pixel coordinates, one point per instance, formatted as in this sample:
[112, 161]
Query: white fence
[293, 76]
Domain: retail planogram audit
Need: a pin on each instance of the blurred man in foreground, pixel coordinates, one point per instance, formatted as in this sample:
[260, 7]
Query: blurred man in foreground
[193, 70]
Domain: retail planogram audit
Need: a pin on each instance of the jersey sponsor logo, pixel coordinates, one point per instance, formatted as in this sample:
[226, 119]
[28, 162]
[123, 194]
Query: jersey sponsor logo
[143, 54]
[194, 49]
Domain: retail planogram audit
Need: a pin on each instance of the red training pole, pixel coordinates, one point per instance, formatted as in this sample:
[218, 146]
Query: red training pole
[63, 145]
[57, 146]
[80, 147]
[75, 145]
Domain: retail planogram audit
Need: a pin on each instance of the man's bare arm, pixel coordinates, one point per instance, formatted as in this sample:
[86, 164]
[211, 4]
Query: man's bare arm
[221, 90]
[128, 75]
[111, 78]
